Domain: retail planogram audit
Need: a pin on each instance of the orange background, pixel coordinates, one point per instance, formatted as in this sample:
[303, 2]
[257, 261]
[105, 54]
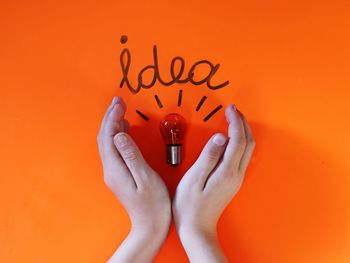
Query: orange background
[288, 64]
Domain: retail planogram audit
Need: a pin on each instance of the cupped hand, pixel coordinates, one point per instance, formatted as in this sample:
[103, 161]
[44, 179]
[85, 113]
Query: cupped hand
[208, 187]
[137, 186]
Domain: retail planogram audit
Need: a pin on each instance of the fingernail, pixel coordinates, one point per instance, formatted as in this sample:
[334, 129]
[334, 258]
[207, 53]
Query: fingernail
[121, 140]
[219, 139]
[230, 113]
[115, 99]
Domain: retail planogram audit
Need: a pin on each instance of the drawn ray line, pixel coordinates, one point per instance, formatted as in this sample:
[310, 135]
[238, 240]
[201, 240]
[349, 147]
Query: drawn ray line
[212, 113]
[143, 116]
[179, 100]
[158, 101]
[201, 103]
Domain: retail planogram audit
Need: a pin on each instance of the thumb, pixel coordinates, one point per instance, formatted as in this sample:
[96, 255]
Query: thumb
[130, 153]
[208, 159]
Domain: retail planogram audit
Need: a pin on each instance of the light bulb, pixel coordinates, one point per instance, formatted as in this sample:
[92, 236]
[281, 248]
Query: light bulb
[173, 128]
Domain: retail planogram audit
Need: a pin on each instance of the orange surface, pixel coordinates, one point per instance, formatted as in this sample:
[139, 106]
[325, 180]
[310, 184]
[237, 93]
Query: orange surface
[288, 63]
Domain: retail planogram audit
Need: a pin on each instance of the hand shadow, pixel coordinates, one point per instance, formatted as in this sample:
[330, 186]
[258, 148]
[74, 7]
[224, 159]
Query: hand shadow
[153, 148]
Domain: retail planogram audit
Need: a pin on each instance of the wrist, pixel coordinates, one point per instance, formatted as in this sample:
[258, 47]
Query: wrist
[148, 238]
[201, 244]
[154, 231]
[155, 226]
[149, 233]
[189, 234]
[140, 245]
[187, 230]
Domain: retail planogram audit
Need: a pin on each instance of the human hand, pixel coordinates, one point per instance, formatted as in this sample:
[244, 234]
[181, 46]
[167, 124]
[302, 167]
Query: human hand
[137, 186]
[208, 187]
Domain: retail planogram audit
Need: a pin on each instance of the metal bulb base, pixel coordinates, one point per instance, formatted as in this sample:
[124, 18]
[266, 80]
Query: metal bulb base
[173, 153]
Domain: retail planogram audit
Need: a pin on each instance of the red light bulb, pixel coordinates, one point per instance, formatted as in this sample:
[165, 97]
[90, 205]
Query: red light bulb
[172, 128]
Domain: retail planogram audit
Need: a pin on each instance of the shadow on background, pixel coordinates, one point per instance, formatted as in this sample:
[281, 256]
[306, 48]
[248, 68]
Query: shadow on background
[153, 148]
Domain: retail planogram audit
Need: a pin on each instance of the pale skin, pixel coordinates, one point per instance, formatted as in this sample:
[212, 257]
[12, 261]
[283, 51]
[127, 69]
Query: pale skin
[201, 196]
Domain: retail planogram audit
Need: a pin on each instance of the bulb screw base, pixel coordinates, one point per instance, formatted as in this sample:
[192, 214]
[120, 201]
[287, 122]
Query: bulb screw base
[174, 154]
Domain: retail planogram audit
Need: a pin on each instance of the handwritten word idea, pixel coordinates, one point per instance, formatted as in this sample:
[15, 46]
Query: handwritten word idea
[176, 72]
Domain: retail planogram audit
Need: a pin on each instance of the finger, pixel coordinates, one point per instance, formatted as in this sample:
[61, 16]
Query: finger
[207, 161]
[115, 171]
[101, 135]
[109, 109]
[126, 126]
[115, 100]
[114, 120]
[132, 157]
[249, 147]
[111, 126]
[110, 122]
[237, 140]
